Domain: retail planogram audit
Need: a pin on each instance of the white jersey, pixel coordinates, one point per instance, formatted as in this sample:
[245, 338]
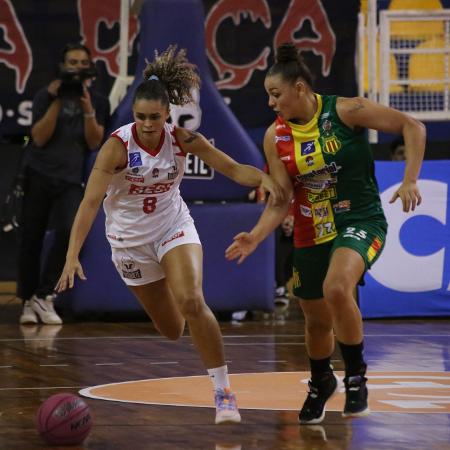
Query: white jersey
[143, 200]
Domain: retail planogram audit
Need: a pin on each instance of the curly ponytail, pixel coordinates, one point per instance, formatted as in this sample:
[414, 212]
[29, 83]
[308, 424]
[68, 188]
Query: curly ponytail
[170, 77]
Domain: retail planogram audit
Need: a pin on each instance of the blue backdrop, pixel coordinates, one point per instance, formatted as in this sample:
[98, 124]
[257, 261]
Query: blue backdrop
[412, 276]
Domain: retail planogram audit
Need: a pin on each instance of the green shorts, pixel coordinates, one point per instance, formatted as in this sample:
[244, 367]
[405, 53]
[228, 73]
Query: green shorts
[311, 263]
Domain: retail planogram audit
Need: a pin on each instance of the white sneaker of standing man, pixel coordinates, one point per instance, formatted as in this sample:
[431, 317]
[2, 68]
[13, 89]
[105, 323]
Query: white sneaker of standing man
[28, 316]
[45, 309]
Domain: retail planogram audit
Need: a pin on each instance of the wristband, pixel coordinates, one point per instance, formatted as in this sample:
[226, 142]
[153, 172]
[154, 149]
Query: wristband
[89, 115]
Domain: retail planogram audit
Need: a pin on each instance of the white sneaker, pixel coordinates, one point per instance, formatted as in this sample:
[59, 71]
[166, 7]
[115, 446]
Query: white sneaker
[28, 315]
[45, 310]
[226, 407]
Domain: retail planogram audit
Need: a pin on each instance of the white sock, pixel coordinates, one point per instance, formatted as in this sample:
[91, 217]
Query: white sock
[219, 377]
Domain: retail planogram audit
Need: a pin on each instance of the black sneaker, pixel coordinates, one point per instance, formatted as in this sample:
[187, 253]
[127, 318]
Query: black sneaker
[313, 410]
[356, 397]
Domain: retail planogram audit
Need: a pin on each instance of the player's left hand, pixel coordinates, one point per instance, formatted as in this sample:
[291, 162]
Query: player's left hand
[409, 194]
[243, 245]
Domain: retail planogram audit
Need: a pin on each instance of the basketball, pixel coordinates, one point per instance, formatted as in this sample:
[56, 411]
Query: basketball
[64, 419]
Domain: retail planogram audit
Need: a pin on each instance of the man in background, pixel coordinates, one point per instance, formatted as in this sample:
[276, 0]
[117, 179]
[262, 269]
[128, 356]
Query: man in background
[69, 120]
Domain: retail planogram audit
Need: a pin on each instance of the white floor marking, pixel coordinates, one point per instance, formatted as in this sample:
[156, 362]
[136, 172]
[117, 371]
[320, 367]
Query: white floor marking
[53, 365]
[109, 364]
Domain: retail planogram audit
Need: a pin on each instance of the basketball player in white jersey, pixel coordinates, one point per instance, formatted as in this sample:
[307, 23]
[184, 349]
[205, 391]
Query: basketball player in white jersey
[155, 246]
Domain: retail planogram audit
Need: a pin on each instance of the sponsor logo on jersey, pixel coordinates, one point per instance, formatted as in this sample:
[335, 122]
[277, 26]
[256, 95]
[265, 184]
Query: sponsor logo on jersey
[129, 269]
[324, 195]
[173, 174]
[326, 126]
[324, 115]
[317, 185]
[135, 159]
[115, 238]
[309, 161]
[327, 168]
[305, 211]
[321, 211]
[342, 206]
[175, 236]
[282, 138]
[155, 172]
[286, 158]
[157, 188]
[307, 148]
[280, 126]
[134, 178]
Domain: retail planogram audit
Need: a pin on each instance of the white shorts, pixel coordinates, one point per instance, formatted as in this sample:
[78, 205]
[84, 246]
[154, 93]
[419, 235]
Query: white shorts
[142, 265]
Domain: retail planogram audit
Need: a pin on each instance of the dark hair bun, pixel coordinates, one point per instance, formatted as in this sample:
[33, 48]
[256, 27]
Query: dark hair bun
[287, 52]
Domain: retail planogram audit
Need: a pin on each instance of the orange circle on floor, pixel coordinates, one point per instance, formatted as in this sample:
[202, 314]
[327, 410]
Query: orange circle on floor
[406, 392]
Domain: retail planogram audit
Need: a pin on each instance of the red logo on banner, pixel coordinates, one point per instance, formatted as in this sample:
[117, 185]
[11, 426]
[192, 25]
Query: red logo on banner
[92, 14]
[18, 57]
[238, 75]
[232, 76]
[324, 45]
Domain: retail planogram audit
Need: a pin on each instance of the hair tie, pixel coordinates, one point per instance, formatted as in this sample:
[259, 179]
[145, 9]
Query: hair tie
[153, 77]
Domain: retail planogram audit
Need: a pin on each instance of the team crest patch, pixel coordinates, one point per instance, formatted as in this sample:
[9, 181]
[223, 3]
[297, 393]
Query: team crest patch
[330, 143]
[135, 159]
[129, 269]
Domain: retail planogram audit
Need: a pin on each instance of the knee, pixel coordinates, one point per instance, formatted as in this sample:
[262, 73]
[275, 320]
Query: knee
[173, 333]
[337, 292]
[191, 303]
[321, 325]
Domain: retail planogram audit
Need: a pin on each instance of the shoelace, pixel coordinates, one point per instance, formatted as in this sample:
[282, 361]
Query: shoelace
[225, 400]
[354, 383]
[313, 391]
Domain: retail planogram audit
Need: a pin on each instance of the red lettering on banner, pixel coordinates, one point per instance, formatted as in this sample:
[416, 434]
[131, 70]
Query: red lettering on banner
[92, 14]
[325, 43]
[18, 57]
[238, 75]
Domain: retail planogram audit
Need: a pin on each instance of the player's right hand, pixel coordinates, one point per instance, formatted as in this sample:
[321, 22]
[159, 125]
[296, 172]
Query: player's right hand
[67, 278]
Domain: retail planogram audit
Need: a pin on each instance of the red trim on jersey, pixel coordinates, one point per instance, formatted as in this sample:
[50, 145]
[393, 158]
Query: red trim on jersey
[144, 147]
[304, 230]
[284, 143]
[125, 146]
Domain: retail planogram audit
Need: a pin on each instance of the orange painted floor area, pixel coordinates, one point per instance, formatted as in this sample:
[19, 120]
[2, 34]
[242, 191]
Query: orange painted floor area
[404, 392]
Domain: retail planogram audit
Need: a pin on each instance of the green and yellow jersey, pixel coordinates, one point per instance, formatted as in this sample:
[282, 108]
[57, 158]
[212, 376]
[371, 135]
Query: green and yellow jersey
[332, 169]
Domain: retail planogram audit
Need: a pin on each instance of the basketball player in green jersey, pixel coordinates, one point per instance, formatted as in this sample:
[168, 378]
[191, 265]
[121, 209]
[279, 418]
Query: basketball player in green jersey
[318, 152]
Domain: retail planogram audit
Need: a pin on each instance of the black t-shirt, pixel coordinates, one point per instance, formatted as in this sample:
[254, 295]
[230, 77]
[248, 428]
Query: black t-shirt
[64, 154]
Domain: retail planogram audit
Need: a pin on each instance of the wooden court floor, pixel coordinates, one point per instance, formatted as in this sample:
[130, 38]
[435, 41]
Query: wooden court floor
[409, 364]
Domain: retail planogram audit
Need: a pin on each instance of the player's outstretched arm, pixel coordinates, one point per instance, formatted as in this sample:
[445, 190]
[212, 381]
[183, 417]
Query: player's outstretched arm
[243, 174]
